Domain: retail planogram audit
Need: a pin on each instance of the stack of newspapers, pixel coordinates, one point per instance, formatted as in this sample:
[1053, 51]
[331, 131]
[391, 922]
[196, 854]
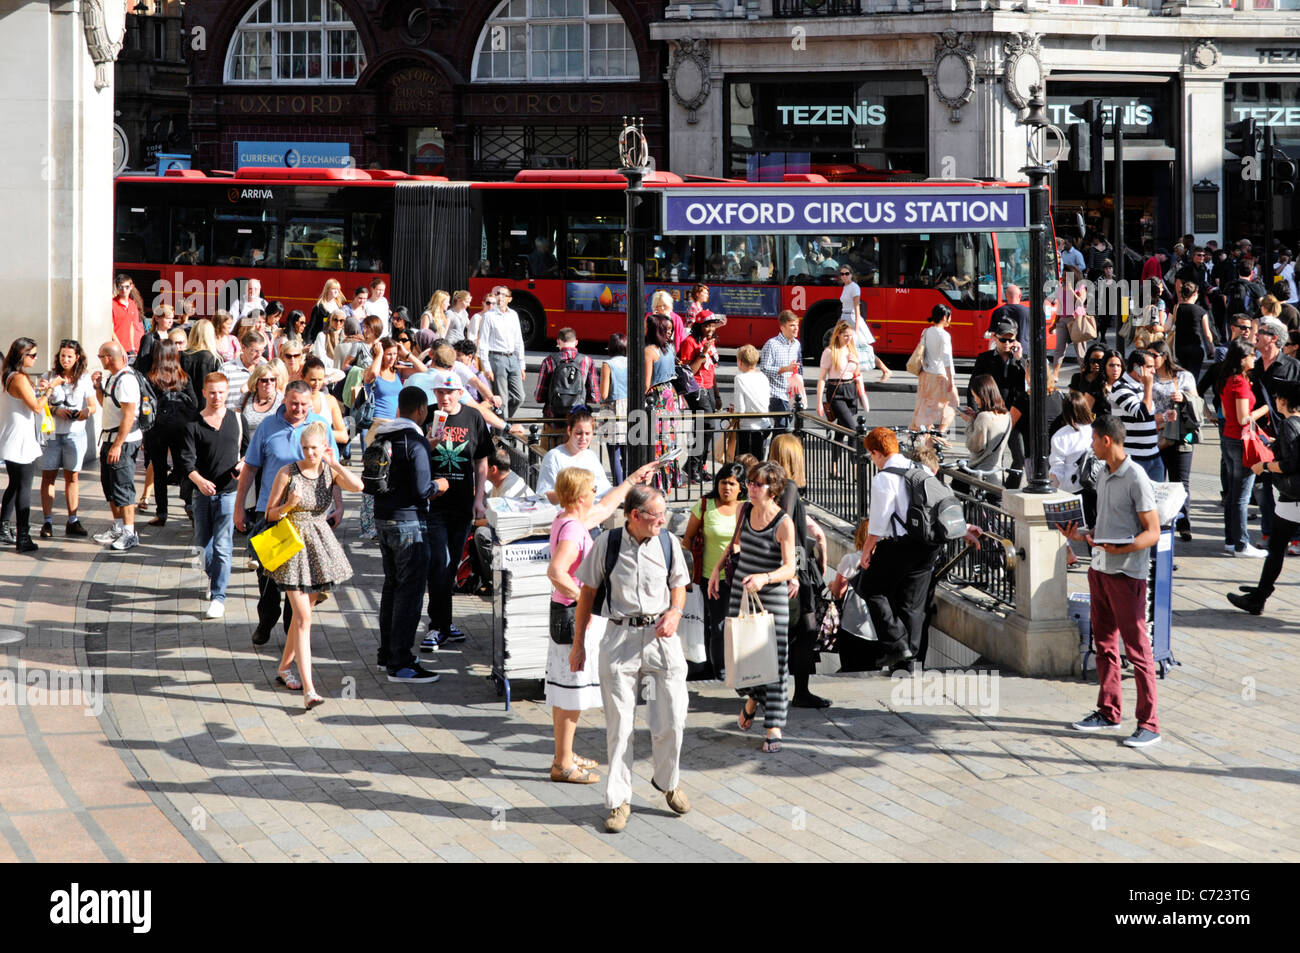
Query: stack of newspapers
[524, 591]
[518, 518]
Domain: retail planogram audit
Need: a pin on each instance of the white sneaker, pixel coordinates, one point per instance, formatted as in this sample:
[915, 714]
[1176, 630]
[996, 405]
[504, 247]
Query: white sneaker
[216, 609]
[109, 535]
[126, 541]
[1251, 552]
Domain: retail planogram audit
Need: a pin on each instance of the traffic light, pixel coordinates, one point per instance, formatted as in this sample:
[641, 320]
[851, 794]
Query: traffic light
[1285, 175]
[1245, 139]
[1087, 145]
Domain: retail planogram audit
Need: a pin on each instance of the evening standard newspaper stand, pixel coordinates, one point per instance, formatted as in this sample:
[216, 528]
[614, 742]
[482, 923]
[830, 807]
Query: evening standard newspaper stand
[1160, 590]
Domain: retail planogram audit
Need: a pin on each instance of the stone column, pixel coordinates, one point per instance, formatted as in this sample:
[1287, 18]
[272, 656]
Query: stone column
[59, 186]
[1201, 140]
[1038, 638]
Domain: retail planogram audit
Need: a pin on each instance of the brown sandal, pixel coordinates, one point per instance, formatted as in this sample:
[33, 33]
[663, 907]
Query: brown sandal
[574, 774]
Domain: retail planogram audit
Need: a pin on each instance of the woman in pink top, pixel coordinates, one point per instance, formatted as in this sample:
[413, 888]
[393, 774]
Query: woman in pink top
[569, 692]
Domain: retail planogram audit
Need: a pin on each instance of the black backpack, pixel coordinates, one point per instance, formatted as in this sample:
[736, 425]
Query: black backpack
[146, 414]
[1238, 293]
[176, 403]
[566, 388]
[601, 604]
[934, 513]
[376, 466]
[1089, 470]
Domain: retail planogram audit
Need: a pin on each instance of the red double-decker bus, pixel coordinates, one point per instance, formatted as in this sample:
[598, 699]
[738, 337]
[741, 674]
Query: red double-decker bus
[557, 240]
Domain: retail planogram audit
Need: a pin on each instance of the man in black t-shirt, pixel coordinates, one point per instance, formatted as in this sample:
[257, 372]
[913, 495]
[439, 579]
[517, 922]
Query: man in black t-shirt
[461, 444]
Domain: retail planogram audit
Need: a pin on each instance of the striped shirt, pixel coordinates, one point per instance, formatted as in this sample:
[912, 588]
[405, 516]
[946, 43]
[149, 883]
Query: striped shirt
[778, 353]
[1141, 440]
[237, 376]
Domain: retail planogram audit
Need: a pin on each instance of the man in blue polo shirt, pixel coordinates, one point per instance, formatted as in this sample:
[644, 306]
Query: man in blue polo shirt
[276, 444]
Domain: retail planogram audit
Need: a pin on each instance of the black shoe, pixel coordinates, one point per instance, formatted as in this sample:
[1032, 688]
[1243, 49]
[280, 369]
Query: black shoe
[24, 544]
[7, 533]
[261, 636]
[47, 530]
[1251, 602]
[810, 701]
[74, 528]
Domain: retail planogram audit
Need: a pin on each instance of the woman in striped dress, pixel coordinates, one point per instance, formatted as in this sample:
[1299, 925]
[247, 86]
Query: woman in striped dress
[765, 547]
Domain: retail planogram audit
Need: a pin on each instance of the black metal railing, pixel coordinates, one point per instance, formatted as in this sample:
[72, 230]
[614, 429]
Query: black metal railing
[816, 8]
[838, 468]
[990, 568]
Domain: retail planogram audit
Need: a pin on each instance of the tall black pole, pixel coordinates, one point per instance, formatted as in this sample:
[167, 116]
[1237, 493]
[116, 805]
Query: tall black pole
[1266, 265]
[1118, 117]
[640, 439]
[1038, 236]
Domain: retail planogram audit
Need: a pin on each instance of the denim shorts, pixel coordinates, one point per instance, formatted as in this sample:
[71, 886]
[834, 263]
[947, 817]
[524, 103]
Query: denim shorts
[65, 451]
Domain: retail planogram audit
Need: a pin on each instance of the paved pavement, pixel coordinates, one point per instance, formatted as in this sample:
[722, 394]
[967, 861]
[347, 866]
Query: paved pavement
[197, 756]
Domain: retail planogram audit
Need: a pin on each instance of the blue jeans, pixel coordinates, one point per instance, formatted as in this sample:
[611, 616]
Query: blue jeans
[406, 565]
[214, 533]
[1153, 467]
[1241, 482]
[446, 532]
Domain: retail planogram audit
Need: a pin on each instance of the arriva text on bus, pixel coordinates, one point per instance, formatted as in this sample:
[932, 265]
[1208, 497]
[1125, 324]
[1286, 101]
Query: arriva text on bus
[884, 211]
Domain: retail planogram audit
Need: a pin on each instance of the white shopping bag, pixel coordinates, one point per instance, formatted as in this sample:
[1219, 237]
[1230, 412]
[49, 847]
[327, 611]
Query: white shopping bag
[751, 645]
[691, 628]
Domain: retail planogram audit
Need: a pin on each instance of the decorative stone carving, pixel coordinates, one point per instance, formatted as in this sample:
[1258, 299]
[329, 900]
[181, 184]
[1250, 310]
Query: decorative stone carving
[1204, 54]
[1023, 68]
[104, 22]
[688, 75]
[954, 71]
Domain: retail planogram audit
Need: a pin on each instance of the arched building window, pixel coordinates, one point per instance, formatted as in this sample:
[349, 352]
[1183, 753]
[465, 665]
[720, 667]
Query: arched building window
[295, 41]
[555, 41]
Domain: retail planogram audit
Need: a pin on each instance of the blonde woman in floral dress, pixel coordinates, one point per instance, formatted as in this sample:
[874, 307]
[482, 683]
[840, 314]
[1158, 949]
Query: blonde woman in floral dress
[305, 492]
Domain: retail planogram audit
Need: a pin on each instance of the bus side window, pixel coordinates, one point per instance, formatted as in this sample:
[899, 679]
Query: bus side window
[313, 242]
[370, 242]
[191, 236]
[141, 232]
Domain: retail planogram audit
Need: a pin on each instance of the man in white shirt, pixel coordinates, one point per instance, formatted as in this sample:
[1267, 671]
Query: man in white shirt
[252, 299]
[1071, 260]
[897, 568]
[502, 337]
[1286, 271]
[377, 304]
[119, 395]
[502, 483]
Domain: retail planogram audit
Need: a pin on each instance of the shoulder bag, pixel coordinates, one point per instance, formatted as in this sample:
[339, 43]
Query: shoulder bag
[917, 360]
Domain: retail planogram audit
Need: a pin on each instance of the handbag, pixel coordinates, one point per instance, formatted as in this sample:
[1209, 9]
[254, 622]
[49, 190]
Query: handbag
[276, 544]
[750, 645]
[690, 629]
[561, 627]
[697, 546]
[855, 616]
[1083, 327]
[1253, 449]
[684, 382]
[916, 361]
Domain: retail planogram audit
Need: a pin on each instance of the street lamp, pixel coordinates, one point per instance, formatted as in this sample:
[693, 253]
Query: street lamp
[635, 156]
[1036, 122]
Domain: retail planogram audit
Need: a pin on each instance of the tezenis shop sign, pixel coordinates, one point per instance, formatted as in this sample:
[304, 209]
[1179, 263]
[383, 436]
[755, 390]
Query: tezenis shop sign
[830, 114]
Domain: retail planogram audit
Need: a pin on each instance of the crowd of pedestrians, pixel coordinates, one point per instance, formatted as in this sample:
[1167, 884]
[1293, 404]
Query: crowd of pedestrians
[253, 413]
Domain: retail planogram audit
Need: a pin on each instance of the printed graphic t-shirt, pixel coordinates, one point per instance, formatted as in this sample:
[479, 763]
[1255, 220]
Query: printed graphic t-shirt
[464, 441]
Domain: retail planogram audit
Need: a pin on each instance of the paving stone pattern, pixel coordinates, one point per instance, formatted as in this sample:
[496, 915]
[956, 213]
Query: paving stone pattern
[198, 756]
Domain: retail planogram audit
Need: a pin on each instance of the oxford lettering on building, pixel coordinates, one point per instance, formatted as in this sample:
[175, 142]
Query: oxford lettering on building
[784, 212]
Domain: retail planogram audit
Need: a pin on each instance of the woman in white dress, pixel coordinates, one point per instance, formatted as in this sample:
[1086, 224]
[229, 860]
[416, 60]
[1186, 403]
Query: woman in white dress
[21, 408]
[852, 311]
[936, 391]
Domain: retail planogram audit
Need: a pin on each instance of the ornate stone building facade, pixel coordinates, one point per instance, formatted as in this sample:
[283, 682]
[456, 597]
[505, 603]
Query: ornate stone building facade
[935, 87]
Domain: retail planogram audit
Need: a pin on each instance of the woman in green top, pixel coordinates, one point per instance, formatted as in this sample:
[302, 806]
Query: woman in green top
[718, 524]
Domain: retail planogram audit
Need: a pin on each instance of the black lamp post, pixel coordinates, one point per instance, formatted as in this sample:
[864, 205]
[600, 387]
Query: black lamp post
[635, 156]
[1035, 120]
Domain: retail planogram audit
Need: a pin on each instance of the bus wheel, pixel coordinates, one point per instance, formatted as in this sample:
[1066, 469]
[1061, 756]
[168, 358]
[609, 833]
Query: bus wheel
[532, 324]
[817, 332]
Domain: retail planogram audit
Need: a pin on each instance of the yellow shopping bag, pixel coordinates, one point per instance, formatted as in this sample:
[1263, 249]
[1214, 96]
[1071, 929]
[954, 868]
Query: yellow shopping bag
[276, 544]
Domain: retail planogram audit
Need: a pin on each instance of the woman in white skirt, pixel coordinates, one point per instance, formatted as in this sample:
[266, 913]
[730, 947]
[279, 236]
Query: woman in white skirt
[568, 692]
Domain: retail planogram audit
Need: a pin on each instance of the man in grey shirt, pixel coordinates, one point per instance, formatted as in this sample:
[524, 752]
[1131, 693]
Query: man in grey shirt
[1126, 528]
[640, 648]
